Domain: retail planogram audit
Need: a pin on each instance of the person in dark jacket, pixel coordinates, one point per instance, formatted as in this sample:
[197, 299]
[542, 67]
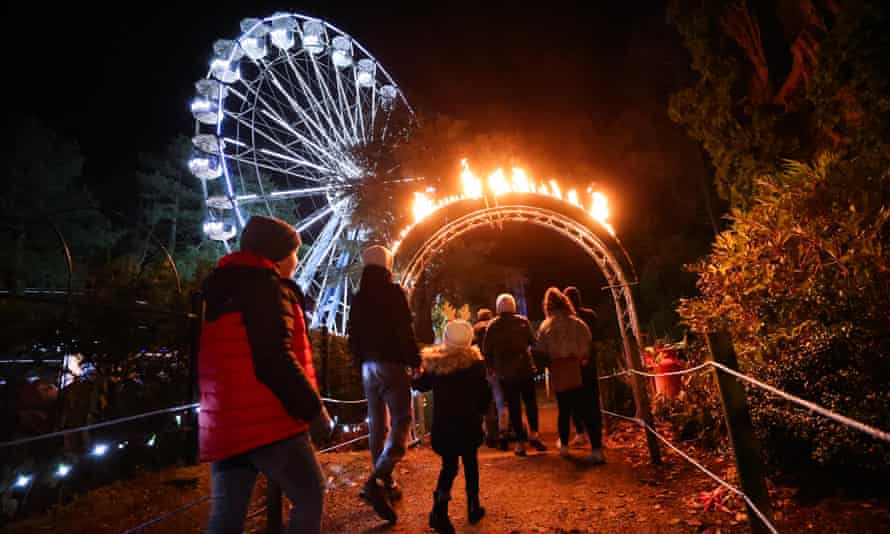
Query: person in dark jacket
[455, 372]
[381, 338]
[507, 348]
[497, 409]
[257, 384]
[588, 373]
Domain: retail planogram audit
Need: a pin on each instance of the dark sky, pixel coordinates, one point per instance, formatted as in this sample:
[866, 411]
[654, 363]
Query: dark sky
[587, 83]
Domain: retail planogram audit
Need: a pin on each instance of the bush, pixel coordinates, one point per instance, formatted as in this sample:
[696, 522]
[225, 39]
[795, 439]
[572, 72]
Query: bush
[801, 281]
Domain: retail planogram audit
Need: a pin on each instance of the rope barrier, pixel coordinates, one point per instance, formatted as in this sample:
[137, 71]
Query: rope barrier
[168, 515]
[345, 443]
[616, 375]
[338, 401]
[691, 370]
[13, 443]
[870, 430]
[702, 468]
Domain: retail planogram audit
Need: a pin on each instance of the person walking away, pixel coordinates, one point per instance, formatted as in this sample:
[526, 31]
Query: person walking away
[455, 372]
[507, 346]
[381, 338]
[257, 384]
[497, 410]
[566, 341]
[589, 372]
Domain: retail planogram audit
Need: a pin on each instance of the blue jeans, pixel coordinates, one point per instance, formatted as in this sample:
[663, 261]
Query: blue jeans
[291, 463]
[388, 389]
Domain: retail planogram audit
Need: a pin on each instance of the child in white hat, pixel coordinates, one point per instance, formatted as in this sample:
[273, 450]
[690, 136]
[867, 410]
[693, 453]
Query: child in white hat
[455, 372]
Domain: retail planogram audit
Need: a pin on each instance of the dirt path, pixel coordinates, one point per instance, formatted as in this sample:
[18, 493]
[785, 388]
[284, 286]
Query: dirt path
[540, 493]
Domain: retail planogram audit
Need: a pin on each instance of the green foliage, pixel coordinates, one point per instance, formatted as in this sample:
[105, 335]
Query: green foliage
[801, 281]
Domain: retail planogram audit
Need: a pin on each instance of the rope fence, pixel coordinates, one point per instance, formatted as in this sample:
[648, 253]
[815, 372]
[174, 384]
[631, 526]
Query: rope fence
[698, 465]
[825, 412]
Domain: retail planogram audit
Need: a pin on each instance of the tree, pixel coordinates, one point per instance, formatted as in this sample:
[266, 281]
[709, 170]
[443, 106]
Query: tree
[781, 80]
[41, 184]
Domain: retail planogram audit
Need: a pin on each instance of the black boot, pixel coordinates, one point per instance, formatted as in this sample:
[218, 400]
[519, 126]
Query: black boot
[475, 512]
[439, 520]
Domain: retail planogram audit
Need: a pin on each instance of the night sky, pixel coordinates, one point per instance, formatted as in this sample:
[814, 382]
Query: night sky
[586, 85]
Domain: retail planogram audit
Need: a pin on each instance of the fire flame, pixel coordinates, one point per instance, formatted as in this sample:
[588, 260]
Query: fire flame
[498, 184]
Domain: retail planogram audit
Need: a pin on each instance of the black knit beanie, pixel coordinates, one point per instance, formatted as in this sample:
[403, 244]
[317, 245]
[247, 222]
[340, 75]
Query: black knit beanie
[269, 237]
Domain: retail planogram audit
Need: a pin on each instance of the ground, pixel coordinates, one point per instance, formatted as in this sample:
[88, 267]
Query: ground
[540, 493]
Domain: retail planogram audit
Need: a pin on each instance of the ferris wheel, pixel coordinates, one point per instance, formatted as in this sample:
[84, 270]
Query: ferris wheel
[279, 120]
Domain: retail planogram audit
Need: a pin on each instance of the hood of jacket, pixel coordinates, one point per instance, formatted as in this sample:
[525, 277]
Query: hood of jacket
[444, 360]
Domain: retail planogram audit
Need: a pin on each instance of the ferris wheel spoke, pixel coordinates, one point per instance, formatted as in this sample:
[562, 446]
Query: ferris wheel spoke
[373, 111]
[308, 269]
[318, 149]
[285, 171]
[329, 98]
[292, 157]
[344, 103]
[316, 104]
[358, 109]
[319, 214]
[299, 109]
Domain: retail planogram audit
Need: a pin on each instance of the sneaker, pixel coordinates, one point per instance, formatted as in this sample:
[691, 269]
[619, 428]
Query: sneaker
[537, 445]
[377, 497]
[596, 456]
[520, 451]
[579, 440]
[564, 451]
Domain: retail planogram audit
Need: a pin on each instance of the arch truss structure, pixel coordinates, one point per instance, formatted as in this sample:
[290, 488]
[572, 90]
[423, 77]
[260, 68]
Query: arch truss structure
[426, 239]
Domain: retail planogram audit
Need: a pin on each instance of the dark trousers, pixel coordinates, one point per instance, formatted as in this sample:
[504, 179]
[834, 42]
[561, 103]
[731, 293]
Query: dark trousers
[449, 472]
[291, 463]
[590, 380]
[519, 392]
[577, 404]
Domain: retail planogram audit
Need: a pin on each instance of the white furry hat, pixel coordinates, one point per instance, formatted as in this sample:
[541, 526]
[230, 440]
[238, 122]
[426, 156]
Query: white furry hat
[458, 333]
[506, 303]
[379, 256]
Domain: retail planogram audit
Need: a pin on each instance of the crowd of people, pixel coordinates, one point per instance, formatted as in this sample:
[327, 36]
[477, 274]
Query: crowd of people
[259, 398]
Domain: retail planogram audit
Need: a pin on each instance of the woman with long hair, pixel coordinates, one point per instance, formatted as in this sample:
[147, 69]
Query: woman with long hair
[566, 340]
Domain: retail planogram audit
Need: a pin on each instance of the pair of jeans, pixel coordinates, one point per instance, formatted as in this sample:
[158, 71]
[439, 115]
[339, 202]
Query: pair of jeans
[578, 404]
[496, 421]
[291, 463]
[449, 472]
[517, 393]
[388, 390]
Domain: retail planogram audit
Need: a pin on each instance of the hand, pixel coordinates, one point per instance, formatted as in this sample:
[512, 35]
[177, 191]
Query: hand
[322, 425]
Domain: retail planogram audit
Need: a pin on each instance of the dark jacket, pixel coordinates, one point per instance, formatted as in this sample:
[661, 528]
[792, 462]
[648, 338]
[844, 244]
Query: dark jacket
[460, 397]
[255, 364]
[507, 347]
[479, 333]
[380, 322]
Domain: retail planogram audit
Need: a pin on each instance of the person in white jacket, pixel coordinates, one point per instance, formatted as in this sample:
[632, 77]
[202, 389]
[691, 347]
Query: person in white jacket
[566, 340]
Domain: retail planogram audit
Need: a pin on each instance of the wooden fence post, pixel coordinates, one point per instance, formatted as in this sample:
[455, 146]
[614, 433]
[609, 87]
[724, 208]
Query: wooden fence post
[273, 507]
[741, 430]
[196, 323]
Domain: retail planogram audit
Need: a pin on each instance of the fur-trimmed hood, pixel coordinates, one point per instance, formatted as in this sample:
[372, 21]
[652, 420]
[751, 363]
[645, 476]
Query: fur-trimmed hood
[444, 360]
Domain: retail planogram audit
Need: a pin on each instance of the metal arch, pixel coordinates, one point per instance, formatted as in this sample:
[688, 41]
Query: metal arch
[596, 247]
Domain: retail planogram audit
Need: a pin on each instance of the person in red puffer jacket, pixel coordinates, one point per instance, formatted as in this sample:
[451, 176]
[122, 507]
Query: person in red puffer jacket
[258, 391]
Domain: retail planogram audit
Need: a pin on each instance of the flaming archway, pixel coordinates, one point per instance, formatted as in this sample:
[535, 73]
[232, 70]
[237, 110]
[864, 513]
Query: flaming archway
[520, 199]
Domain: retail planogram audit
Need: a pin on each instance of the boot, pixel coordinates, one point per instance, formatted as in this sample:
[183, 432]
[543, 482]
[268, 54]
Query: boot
[375, 494]
[439, 520]
[475, 512]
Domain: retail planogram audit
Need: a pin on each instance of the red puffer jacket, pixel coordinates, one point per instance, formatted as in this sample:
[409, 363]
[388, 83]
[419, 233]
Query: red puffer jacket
[255, 364]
